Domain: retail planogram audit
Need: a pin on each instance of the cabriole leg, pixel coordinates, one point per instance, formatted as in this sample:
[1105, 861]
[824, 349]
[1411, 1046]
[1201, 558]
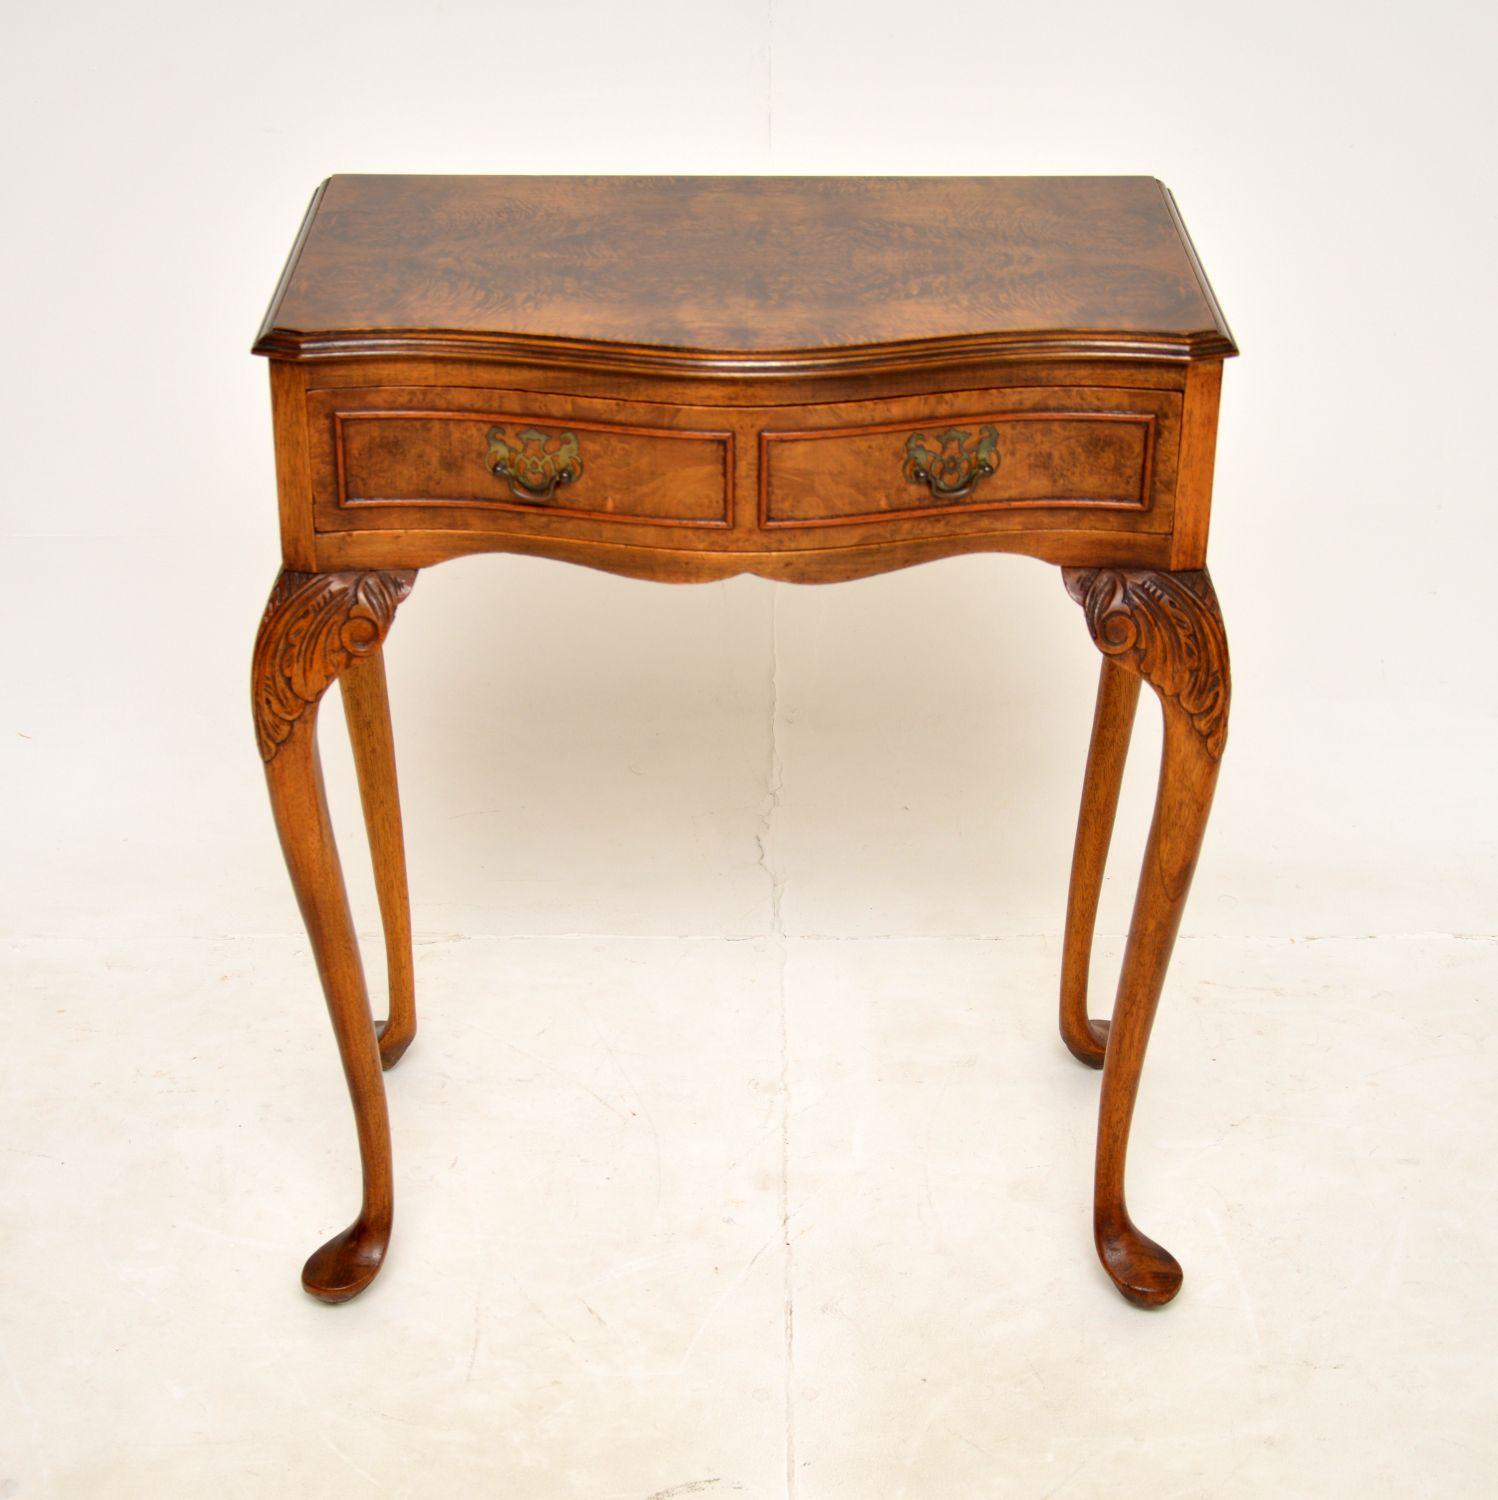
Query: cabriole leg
[366, 706]
[316, 626]
[1167, 628]
[1112, 726]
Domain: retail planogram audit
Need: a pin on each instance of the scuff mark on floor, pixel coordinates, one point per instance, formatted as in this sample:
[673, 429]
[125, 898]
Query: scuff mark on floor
[691, 1487]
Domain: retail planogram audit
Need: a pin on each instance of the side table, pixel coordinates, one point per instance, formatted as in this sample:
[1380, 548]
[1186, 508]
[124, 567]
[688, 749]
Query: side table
[682, 379]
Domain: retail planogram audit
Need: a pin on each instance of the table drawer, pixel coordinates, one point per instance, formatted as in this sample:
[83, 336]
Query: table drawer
[412, 457]
[1108, 453]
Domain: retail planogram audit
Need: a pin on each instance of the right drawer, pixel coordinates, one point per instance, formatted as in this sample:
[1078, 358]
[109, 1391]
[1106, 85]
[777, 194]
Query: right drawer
[1100, 457]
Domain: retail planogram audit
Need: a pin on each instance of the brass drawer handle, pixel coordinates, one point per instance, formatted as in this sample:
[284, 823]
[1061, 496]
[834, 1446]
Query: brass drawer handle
[536, 463]
[951, 470]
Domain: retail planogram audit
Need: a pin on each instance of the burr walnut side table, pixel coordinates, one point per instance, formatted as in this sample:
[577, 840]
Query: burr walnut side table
[682, 379]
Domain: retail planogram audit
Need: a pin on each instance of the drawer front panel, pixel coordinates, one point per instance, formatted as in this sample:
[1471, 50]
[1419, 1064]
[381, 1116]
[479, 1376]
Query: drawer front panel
[1068, 450]
[422, 462]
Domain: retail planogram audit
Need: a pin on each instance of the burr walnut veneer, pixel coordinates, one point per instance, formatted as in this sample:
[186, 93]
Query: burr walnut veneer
[682, 379]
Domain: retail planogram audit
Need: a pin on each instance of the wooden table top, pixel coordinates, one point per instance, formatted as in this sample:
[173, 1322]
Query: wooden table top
[752, 271]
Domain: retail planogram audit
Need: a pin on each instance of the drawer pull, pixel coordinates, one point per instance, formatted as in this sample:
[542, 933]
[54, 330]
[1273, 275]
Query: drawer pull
[536, 463]
[952, 468]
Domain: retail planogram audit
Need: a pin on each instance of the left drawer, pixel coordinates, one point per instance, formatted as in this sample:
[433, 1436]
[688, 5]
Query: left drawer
[419, 457]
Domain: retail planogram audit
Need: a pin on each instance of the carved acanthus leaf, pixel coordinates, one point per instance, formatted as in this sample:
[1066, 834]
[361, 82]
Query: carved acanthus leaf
[315, 625]
[1168, 627]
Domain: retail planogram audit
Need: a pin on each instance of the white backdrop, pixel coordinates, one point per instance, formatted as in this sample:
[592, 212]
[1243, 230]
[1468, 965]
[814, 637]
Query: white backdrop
[582, 754]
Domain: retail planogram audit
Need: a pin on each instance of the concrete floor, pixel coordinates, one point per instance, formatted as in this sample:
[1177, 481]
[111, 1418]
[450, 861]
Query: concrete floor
[765, 1217]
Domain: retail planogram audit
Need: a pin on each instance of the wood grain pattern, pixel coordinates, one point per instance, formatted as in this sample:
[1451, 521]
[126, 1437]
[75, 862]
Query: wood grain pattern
[1053, 459]
[684, 379]
[410, 460]
[436, 459]
[739, 272]
[1167, 628]
[1198, 453]
[316, 627]
[288, 395]
[1068, 456]
[1112, 726]
[366, 706]
[899, 547]
[905, 375]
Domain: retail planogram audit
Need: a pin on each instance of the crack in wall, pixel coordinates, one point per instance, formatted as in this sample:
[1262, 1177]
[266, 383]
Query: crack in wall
[769, 862]
[770, 807]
